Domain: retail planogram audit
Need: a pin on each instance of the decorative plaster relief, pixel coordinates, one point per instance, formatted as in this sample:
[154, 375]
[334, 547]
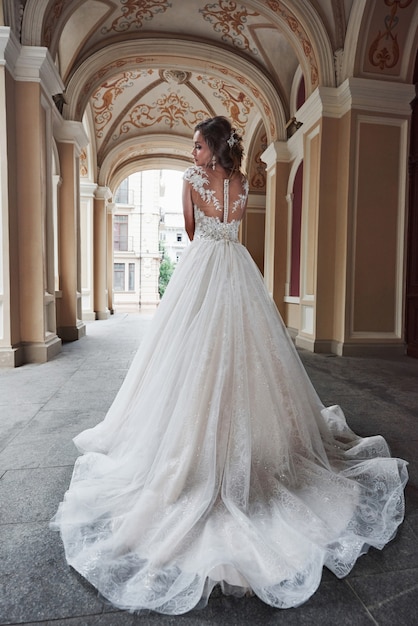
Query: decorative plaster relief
[135, 13]
[258, 167]
[54, 14]
[300, 33]
[233, 99]
[385, 50]
[171, 109]
[105, 97]
[101, 74]
[84, 171]
[230, 21]
[253, 89]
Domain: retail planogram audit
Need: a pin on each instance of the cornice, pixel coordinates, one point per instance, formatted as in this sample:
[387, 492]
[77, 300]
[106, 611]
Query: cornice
[382, 97]
[68, 131]
[9, 49]
[35, 64]
[276, 152]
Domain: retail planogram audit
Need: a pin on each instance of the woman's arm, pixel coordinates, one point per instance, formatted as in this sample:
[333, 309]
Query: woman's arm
[188, 210]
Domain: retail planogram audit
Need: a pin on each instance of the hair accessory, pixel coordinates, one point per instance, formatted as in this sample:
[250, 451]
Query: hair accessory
[233, 139]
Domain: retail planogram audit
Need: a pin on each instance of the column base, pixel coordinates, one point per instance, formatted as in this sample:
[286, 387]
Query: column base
[369, 349]
[350, 348]
[102, 315]
[72, 333]
[12, 357]
[41, 352]
[319, 346]
[89, 316]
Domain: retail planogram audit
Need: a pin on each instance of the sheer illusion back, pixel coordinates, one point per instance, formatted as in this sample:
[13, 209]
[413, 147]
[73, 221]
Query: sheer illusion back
[217, 463]
[219, 203]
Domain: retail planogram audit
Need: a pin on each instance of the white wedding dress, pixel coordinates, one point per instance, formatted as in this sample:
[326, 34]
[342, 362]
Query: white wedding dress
[217, 462]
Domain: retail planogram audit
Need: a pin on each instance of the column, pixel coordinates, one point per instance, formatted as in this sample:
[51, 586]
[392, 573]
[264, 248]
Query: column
[353, 218]
[276, 157]
[100, 253]
[376, 249]
[87, 249]
[36, 81]
[11, 350]
[71, 138]
[110, 210]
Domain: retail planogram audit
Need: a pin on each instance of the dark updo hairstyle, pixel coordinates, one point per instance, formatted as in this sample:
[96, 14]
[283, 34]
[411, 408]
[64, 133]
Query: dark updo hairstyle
[217, 132]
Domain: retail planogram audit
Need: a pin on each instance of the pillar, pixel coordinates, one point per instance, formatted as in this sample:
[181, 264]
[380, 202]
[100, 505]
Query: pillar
[353, 218]
[110, 210]
[276, 157]
[11, 349]
[36, 80]
[71, 138]
[101, 309]
[87, 249]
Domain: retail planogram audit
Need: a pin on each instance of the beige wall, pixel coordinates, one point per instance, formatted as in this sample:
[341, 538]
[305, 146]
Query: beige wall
[253, 228]
[376, 219]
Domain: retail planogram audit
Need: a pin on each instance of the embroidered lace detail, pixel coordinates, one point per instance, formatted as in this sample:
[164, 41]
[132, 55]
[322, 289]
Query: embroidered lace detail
[207, 227]
[198, 178]
[242, 198]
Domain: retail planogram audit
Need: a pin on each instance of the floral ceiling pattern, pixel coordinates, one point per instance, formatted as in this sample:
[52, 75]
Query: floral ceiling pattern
[141, 73]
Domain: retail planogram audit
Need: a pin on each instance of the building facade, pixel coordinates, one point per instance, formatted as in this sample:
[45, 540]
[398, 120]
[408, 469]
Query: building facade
[136, 222]
[323, 93]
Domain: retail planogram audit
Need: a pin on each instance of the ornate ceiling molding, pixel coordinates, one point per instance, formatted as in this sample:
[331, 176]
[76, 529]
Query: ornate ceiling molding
[33, 20]
[300, 22]
[182, 56]
[125, 158]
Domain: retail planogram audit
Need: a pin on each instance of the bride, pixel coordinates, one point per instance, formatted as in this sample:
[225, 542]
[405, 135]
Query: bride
[217, 463]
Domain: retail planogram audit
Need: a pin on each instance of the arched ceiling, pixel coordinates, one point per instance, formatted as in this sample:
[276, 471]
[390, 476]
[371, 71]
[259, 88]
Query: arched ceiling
[142, 73]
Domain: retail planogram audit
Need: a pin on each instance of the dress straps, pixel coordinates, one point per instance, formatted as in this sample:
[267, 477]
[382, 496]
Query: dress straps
[226, 199]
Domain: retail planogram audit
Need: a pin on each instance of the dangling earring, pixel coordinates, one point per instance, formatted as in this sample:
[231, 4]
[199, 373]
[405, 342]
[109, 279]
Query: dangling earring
[213, 162]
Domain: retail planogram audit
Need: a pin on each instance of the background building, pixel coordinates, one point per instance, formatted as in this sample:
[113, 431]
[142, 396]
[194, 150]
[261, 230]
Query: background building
[147, 215]
[137, 257]
[172, 234]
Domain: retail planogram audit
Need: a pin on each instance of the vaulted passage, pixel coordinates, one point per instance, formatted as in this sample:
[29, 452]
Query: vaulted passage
[93, 91]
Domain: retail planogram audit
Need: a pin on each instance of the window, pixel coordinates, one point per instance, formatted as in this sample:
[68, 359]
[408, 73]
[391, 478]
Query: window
[120, 233]
[122, 194]
[119, 276]
[131, 277]
[179, 237]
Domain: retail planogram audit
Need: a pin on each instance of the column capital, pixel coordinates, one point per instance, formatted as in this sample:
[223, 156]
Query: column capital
[69, 131]
[276, 152]
[87, 189]
[102, 193]
[35, 64]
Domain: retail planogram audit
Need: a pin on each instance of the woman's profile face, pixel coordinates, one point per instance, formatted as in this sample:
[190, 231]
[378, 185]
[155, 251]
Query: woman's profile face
[201, 151]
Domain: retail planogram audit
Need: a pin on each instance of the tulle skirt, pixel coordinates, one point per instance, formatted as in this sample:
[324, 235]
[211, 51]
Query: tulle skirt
[217, 463]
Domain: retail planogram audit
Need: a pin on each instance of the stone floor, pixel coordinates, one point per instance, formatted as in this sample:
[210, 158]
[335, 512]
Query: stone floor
[43, 406]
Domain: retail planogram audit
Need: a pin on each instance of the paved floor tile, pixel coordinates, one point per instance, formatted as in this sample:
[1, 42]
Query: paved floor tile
[43, 406]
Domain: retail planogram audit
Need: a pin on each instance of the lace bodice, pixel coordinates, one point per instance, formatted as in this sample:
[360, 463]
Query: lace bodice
[216, 226]
[207, 227]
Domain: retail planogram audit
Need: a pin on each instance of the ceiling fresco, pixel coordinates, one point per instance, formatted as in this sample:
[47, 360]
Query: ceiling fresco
[142, 73]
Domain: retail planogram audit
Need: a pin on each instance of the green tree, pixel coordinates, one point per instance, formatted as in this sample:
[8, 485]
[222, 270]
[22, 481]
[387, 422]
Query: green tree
[166, 269]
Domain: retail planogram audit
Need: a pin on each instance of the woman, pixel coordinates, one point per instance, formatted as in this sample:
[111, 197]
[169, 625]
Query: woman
[217, 463]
